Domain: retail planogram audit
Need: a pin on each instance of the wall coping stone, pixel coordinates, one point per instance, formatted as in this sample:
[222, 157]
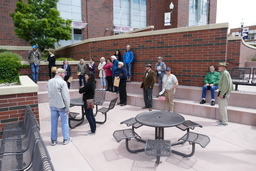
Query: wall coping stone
[26, 86]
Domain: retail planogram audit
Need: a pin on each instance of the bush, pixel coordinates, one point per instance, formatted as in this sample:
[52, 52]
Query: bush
[9, 67]
[254, 58]
[63, 58]
[4, 50]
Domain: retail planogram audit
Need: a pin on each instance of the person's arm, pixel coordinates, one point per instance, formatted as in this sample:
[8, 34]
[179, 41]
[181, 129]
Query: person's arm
[123, 74]
[85, 88]
[131, 57]
[206, 79]
[225, 84]
[163, 69]
[65, 96]
[217, 75]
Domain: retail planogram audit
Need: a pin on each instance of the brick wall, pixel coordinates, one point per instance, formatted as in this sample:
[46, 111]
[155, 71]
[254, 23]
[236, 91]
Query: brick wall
[188, 53]
[12, 107]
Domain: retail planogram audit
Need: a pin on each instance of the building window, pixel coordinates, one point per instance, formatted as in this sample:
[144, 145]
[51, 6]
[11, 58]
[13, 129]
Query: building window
[70, 9]
[197, 12]
[77, 34]
[130, 13]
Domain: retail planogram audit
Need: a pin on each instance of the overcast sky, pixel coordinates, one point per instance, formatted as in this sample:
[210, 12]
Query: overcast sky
[233, 11]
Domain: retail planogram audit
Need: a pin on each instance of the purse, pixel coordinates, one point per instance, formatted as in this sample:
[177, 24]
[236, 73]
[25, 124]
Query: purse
[161, 98]
[116, 81]
[54, 69]
[90, 103]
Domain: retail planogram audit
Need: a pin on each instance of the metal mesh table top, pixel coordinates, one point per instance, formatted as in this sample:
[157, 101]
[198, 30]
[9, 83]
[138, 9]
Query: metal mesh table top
[159, 119]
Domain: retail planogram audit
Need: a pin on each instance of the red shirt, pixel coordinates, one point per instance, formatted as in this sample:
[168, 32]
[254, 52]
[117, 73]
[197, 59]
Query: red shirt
[107, 68]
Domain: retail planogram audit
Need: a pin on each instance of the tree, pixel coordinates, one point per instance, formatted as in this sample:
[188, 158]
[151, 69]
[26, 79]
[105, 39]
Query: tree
[39, 22]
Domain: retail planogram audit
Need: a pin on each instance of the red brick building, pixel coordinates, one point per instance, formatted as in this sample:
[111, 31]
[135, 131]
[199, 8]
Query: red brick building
[100, 18]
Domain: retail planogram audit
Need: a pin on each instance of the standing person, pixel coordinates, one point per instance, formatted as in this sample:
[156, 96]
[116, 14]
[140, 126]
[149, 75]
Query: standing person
[102, 73]
[67, 68]
[88, 93]
[51, 59]
[122, 85]
[81, 72]
[211, 81]
[115, 71]
[225, 88]
[170, 83]
[128, 59]
[34, 57]
[147, 85]
[91, 66]
[59, 101]
[160, 68]
[118, 55]
[108, 71]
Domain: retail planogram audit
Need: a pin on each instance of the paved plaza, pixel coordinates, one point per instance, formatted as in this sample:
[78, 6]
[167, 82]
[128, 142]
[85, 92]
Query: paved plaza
[231, 148]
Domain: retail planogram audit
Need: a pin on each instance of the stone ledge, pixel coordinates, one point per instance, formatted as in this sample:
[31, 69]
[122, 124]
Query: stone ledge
[27, 86]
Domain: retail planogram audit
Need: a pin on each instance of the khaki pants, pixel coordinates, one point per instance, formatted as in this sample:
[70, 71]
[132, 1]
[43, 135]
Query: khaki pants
[223, 104]
[169, 95]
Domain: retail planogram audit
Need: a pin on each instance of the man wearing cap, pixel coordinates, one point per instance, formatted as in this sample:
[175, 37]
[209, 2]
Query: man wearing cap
[59, 101]
[147, 85]
[211, 81]
[34, 59]
[128, 60]
[225, 88]
[160, 69]
[122, 84]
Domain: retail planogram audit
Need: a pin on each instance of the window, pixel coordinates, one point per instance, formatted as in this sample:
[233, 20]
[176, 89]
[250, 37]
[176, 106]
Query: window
[130, 13]
[70, 9]
[198, 12]
[77, 34]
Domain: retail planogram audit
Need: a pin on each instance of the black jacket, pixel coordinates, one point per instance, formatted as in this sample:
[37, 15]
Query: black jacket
[51, 60]
[88, 90]
[68, 70]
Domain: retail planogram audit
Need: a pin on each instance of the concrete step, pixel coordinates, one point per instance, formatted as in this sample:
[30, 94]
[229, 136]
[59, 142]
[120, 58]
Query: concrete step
[187, 98]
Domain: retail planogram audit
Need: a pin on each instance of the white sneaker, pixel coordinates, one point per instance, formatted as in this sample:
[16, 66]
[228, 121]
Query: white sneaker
[101, 89]
[65, 142]
[90, 133]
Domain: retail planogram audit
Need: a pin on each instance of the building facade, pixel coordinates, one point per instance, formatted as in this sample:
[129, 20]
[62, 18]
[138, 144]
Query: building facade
[249, 33]
[99, 18]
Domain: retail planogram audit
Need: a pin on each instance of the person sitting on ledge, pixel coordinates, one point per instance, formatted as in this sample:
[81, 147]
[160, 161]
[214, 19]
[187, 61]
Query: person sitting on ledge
[211, 81]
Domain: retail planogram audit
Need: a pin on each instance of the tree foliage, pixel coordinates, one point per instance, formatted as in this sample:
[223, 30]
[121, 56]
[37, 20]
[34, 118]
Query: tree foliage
[39, 22]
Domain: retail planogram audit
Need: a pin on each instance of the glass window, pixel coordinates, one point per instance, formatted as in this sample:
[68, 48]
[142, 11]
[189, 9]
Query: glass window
[70, 9]
[77, 34]
[130, 13]
[198, 12]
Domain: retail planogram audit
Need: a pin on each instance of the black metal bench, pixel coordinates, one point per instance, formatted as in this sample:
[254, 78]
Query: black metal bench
[187, 125]
[127, 135]
[99, 99]
[193, 138]
[243, 76]
[132, 122]
[158, 148]
[104, 110]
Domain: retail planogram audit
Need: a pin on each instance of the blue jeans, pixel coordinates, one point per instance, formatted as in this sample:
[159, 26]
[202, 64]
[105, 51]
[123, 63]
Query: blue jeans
[34, 70]
[129, 69]
[212, 88]
[81, 78]
[103, 81]
[90, 117]
[147, 94]
[55, 114]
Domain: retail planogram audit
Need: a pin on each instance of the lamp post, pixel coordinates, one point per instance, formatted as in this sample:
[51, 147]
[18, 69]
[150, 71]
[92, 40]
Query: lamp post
[171, 6]
[242, 25]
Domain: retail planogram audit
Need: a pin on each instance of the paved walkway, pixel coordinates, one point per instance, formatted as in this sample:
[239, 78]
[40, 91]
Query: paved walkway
[231, 148]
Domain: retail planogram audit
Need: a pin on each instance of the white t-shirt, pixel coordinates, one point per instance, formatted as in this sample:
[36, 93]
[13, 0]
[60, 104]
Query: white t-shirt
[169, 81]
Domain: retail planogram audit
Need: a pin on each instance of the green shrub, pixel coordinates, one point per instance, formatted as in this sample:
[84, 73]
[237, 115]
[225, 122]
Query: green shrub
[63, 58]
[4, 50]
[9, 67]
[254, 58]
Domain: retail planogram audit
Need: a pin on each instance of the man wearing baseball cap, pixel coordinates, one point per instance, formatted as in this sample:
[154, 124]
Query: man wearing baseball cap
[225, 88]
[34, 57]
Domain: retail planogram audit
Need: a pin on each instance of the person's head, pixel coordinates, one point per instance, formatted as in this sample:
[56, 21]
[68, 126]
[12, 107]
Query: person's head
[34, 47]
[89, 76]
[109, 60]
[117, 52]
[51, 51]
[148, 67]
[128, 47]
[212, 68]
[222, 66]
[168, 71]
[81, 61]
[159, 59]
[60, 72]
[65, 61]
[91, 60]
[120, 64]
[113, 58]
[102, 59]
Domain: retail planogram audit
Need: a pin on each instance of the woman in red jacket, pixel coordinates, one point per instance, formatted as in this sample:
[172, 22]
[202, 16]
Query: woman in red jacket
[108, 70]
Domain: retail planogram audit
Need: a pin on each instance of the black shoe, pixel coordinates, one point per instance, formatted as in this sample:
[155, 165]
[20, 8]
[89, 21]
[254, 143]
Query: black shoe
[213, 103]
[118, 103]
[122, 104]
[202, 102]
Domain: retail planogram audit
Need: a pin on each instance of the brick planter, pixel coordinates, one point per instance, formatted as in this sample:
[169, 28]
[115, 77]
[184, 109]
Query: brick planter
[13, 100]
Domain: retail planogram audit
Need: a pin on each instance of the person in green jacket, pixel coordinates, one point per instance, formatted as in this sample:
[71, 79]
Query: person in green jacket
[211, 81]
[225, 88]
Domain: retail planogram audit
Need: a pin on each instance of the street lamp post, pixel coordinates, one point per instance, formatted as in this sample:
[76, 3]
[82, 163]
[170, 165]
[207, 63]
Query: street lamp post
[242, 26]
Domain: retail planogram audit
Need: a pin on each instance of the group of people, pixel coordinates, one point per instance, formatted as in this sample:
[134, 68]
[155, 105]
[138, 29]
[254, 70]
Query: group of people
[118, 68]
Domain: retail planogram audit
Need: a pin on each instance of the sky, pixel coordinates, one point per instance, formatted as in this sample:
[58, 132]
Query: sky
[234, 11]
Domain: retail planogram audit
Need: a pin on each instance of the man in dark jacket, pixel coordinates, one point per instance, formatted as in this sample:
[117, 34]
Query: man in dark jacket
[122, 84]
[147, 85]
